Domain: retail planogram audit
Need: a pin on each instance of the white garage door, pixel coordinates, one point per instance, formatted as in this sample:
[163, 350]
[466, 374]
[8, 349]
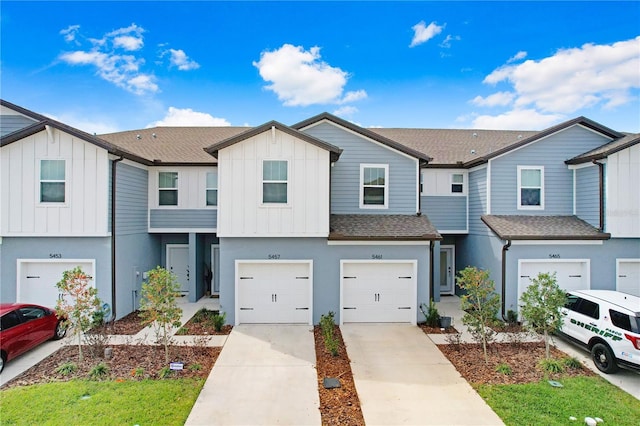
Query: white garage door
[628, 276]
[37, 279]
[274, 292]
[378, 291]
[571, 274]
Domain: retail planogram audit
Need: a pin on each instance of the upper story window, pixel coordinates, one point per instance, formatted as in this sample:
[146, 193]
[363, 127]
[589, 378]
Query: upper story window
[274, 181]
[457, 183]
[530, 188]
[168, 188]
[52, 181]
[212, 189]
[374, 186]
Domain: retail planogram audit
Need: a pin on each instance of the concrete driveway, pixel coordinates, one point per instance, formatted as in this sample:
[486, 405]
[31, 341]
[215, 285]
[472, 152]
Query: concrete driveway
[402, 378]
[265, 375]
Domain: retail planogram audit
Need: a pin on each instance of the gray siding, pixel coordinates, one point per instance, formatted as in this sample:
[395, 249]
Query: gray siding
[132, 200]
[477, 201]
[183, 218]
[558, 179]
[345, 174]
[588, 195]
[326, 267]
[11, 123]
[446, 213]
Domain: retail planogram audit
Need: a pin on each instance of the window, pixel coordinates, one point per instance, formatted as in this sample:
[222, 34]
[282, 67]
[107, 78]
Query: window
[32, 313]
[274, 181]
[530, 188]
[374, 183]
[168, 188]
[52, 181]
[457, 183]
[620, 320]
[583, 306]
[212, 189]
[9, 320]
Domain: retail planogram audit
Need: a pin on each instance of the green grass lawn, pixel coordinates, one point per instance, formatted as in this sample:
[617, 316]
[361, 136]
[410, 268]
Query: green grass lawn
[542, 404]
[79, 402]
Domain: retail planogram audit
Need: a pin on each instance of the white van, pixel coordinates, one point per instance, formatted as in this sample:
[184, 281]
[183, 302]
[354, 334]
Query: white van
[607, 323]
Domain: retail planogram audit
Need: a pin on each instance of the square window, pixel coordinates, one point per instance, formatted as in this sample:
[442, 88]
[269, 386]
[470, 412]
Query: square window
[52, 181]
[274, 181]
[168, 188]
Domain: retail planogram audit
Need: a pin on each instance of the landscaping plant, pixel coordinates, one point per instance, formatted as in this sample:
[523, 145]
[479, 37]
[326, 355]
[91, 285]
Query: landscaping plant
[159, 306]
[79, 303]
[541, 307]
[327, 325]
[432, 317]
[480, 304]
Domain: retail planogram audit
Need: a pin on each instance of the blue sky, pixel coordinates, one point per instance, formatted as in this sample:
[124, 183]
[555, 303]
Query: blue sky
[120, 65]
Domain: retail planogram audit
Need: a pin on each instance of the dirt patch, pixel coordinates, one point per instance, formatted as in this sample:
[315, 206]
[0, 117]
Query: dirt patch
[339, 406]
[129, 362]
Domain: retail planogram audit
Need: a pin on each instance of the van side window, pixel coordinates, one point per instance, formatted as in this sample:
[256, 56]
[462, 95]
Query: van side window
[620, 320]
[588, 308]
[571, 302]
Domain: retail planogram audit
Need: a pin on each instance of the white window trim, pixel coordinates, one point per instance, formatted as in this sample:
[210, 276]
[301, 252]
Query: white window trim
[66, 183]
[519, 205]
[206, 188]
[386, 187]
[463, 183]
[262, 182]
[158, 189]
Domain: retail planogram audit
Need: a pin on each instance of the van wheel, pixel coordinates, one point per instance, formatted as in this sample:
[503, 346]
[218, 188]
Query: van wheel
[603, 358]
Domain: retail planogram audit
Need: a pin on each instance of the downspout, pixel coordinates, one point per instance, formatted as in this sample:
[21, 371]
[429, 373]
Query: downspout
[601, 195]
[505, 249]
[113, 236]
[432, 244]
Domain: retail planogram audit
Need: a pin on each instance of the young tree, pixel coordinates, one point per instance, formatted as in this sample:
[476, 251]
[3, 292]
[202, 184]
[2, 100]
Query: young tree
[480, 304]
[78, 304]
[541, 306]
[158, 305]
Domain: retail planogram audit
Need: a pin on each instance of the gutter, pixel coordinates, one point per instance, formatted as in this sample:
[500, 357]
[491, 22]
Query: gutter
[505, 249]
[432, 244]
[601, 193]
[113, 236]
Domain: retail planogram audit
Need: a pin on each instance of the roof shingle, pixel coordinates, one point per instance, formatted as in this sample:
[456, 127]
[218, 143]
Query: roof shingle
[382, 227]
[520, 227]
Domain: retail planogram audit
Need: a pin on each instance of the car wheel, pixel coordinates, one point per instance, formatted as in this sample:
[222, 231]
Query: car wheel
[603, 358]
[3, 358]
[60, 332]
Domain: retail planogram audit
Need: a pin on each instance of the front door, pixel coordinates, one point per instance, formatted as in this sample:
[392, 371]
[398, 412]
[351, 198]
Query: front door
[446, 269]
[178, 263]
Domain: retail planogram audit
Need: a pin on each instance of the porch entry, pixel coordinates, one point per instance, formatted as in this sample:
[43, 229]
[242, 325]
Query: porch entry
[178, 263]
[447, 262]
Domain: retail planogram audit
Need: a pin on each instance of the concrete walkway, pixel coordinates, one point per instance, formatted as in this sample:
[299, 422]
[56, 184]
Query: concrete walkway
[265, 375]
[402, 378]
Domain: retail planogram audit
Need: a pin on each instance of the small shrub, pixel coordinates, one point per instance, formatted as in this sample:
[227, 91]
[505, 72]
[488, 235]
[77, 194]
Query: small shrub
[432, 317]
[327, 326]
[165, 372]
[505, 369]
[219, 320]
[512, 317]
[138, 373]
[99, 372]
[454, 339]
[67, 368]
[572, 363]
[195, 367]
[551, 365]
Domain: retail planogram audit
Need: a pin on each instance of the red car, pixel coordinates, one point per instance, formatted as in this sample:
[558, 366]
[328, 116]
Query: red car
[24, 326]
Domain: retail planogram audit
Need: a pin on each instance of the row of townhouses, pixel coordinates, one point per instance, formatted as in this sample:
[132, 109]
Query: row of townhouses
[288, 222]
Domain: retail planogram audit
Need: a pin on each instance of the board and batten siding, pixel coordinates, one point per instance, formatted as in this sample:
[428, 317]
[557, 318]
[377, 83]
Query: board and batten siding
[588, 194]
[447, 213]
[9, 123]
[477, 200]
[85, 210]
[623, 195]
[550, 153]
[242, 213]
[345, 174]
[192, 184]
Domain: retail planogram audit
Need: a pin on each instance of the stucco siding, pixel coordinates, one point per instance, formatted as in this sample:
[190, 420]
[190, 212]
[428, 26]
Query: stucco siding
[345, 174]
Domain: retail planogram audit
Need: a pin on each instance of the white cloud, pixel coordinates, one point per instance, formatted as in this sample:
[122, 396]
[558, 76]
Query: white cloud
[91, 127]
[423, 33]
[180, 59]
[446, 43]
[497, 99]
[186, 117]
[516, 119]
[300, 78]
[128, 42]
[70, 32]
[345, 111]
[520, 55]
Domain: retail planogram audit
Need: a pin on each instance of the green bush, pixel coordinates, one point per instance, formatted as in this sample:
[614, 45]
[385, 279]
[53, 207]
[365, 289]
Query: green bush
[551, 365]
[327, 326]
[432, 317]
[165, 372]
[505, 369]
[572, 363]
[67, 368]
[512, 317]
[219, 320]
[99, 372]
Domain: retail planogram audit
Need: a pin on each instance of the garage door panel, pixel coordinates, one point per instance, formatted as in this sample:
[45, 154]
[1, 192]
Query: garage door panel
[38, 279]
[628, 279]
[570, 274]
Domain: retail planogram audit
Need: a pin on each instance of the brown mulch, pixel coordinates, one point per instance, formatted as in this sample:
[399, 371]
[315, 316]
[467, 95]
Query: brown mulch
[129, 362]
[523, 358]
[339, 406]
[128, 325]
[437, 330]
[195, 327]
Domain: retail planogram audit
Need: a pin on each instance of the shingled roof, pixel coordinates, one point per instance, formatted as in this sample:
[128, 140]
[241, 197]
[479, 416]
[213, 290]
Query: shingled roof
[382, 227]
[519, 227]
[606, 150]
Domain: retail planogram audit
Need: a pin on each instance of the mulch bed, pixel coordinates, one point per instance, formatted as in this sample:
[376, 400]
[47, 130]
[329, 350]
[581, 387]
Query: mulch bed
[129, 362]
[339, 406]
[128, 325]
[437, 330]
[197, 326]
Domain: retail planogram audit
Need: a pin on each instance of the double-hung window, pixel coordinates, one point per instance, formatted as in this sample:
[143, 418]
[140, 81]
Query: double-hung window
[274, 181]
[168, 188]
[52, 181]
[457, 183]
[530, 188]
[212, 189]
[374, 186]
